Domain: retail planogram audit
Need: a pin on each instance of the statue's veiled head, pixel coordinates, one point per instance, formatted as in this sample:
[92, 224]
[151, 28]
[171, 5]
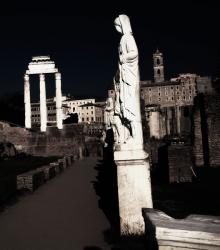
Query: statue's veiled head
[122, 24]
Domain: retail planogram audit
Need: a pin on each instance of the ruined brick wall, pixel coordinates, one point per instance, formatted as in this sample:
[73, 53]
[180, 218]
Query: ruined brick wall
[212, 108]
[67, 141]
[180, 163]
[197, 136]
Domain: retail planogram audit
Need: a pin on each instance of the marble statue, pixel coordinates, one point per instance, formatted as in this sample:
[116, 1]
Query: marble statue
[126, 81]
[133, 169]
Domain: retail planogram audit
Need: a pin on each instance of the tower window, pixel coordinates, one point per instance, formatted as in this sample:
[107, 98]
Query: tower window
[158, 72]
[158, 61]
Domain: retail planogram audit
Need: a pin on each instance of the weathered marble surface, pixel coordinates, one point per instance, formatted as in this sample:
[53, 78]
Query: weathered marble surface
[194, 232]
[133, 173]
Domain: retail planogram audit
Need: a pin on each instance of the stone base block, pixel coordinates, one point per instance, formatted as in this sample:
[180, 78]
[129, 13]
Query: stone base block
[193, 232]
[134, 191]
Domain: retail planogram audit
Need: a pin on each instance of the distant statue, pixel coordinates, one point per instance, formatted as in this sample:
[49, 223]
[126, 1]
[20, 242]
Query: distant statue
[111, 119]
[109, 113]
[126, 82]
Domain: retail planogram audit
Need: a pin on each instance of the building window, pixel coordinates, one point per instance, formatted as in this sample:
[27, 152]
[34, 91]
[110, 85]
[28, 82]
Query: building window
[159, 93]
[159, 99]
[172, 98]
[112, 91]
[158, 72]
[92, 119]
[171, 87]
[83, 119]
[87, 118]
[149, 89]
[92, 112]
[87, 107]
[166, 93]
[158, 61]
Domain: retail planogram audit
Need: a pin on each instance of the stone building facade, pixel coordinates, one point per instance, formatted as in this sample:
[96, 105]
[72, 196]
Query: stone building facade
[51, 112]
[88, 111]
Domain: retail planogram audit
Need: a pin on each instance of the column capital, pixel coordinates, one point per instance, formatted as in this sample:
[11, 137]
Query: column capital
[58, 75]
[26, 77]
[42, 76]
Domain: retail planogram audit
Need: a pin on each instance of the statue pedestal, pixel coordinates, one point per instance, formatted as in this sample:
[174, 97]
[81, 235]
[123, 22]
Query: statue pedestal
[134, 188]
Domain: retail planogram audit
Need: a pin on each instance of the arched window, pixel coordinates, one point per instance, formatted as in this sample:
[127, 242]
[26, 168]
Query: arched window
[158, 61]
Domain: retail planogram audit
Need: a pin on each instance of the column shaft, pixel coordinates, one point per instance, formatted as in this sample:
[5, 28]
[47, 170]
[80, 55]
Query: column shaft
[43, 104]
[59, 113]
[178, 117]
[27, 101]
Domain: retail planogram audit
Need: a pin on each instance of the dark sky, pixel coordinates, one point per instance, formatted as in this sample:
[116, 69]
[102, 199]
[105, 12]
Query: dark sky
[81, 39]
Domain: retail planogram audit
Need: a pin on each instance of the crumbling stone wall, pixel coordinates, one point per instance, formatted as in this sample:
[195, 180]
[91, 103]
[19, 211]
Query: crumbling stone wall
[212, 108]
[52, 143]
[197, 138]
[180, 163]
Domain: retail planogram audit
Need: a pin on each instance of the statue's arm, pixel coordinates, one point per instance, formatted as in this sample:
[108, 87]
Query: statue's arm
[132, 51]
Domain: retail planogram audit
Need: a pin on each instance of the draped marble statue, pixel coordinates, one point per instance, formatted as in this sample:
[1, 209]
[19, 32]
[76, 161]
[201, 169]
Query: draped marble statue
[133, 169]
[126, 82]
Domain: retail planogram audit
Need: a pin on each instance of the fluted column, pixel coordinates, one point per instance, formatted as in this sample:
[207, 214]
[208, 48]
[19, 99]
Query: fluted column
[27, 101]
[59, 114]
[43, 104]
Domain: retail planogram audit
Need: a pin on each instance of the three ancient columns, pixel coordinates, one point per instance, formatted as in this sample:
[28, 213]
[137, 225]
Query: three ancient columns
[40, 66]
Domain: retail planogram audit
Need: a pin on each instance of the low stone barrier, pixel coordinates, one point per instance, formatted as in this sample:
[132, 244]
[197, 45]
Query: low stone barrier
[33, 179]
[58, 167]
[49, 172]
[194, 232]
[30, 180]
[62, 162]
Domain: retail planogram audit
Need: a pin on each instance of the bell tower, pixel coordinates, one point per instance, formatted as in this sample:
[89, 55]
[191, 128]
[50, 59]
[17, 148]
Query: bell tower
[158, 66]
